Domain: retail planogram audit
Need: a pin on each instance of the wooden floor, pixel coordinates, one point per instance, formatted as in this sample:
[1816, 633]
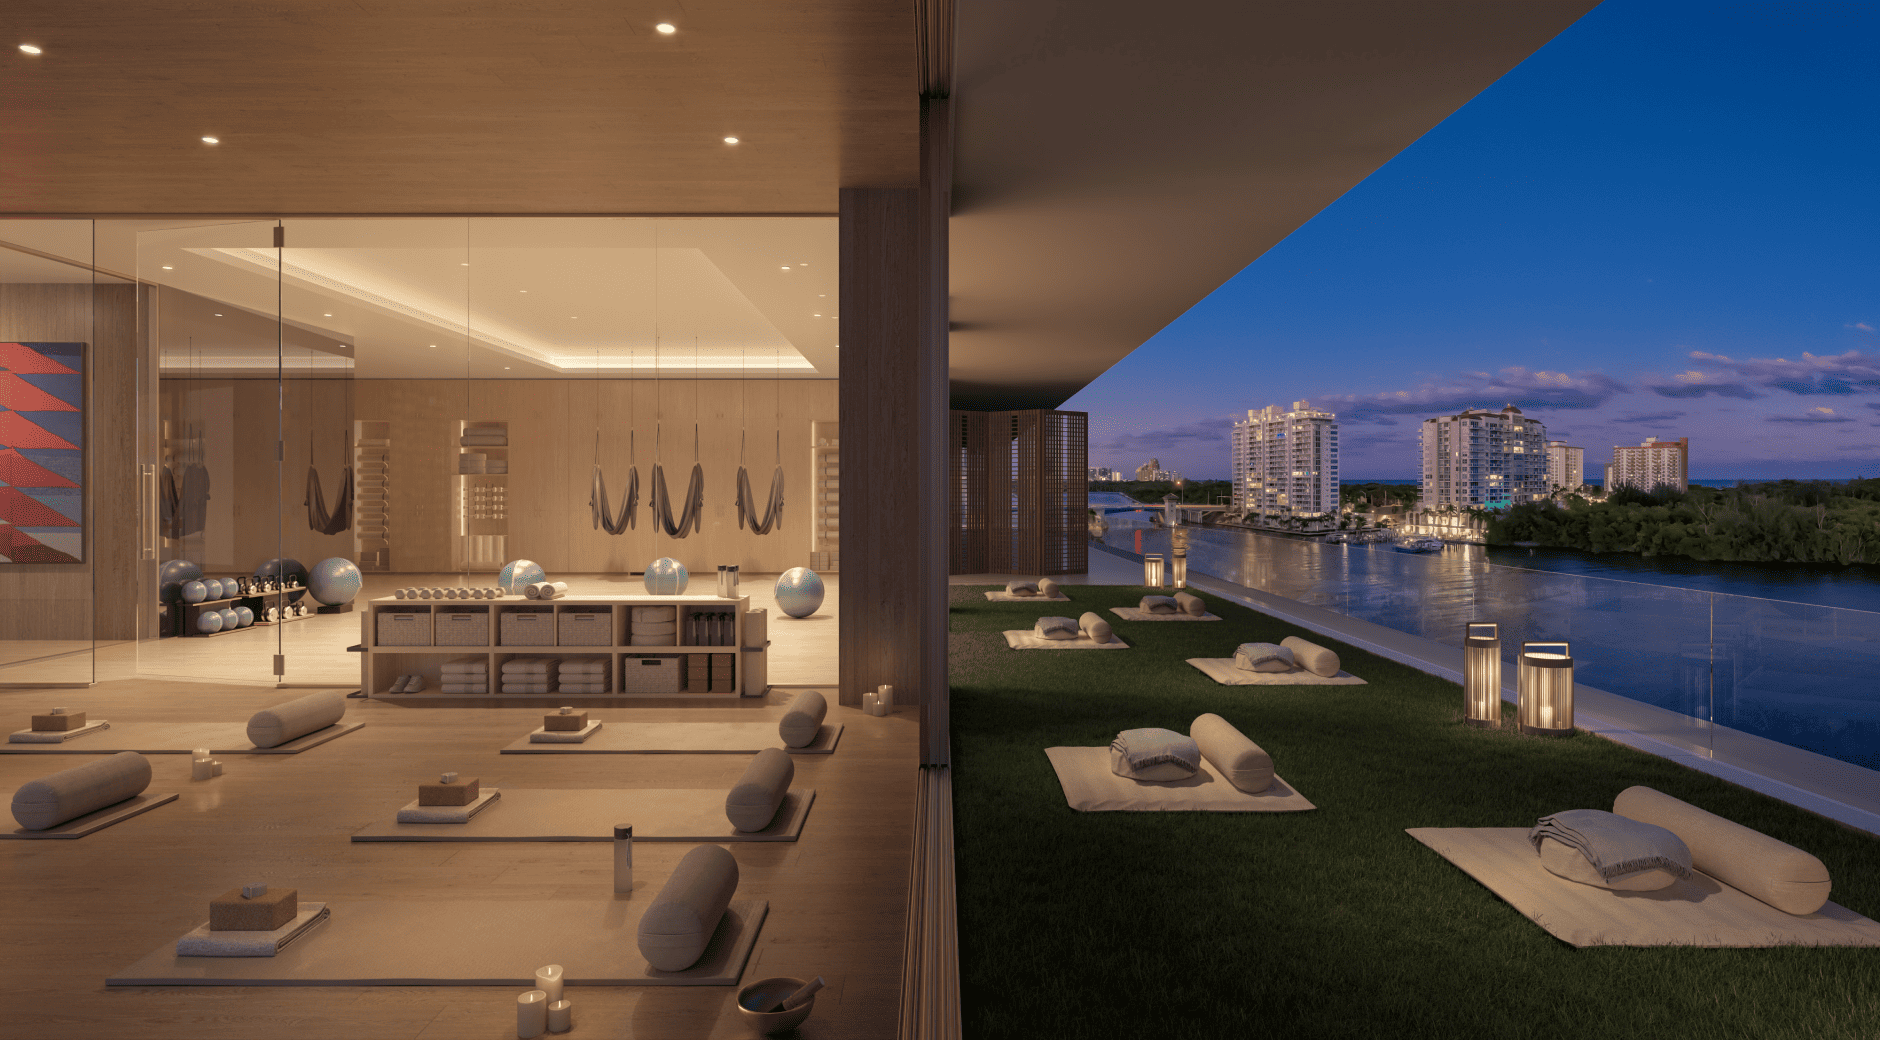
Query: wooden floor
[79, 910]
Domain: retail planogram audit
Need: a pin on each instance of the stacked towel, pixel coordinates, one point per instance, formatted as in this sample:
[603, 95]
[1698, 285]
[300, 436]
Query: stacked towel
[528, 674]
[654, 626]
[467, 675]
[584, 675]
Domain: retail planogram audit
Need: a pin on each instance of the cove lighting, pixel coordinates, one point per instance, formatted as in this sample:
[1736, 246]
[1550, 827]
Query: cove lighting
[666, 28]
[27, 48]
[212, 140]
[731, 140]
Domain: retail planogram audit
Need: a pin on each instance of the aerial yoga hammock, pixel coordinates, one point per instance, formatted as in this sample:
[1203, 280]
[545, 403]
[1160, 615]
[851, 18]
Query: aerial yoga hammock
[747, 502]
[658, 499]
[317, 516]
[629, 499]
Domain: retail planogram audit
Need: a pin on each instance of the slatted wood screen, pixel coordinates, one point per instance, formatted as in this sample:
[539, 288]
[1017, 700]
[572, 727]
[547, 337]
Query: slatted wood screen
[1020, 496]
[966, 483]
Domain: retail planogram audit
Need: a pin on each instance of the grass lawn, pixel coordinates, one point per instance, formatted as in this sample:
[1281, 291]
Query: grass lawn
[1329, 923]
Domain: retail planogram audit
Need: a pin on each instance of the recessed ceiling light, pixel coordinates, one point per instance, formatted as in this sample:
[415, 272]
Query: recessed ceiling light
[505, 368]
[815, 315]
[433, 346]
[167, 267]
[822, 295]
[218, 315]
[731, 140]
[522, 290]
[212, 140]
[786, 267]
[463, 265]
[27, 48]
[327, 315]
[666, 28]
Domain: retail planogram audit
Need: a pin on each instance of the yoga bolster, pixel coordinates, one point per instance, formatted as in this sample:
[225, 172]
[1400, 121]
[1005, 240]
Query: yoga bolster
[1311, 656]
[679, 924]
[71, 793]
[803, 720]
[1093, 625]
[1191, 604]
[1227, 749]
[1568, 862]
[1047, 588]
[1773, 871]
[295, 718]
[753, 803]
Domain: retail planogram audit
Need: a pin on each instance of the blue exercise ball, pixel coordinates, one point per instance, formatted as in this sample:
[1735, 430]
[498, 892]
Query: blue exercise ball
[218, 589]
[194, 591]
[666, 577]
[244, 617]
[230, 619]
[799, 592]
[517, 575]
[335, 581]
[172, 575]
[209, 621]
[285, 569]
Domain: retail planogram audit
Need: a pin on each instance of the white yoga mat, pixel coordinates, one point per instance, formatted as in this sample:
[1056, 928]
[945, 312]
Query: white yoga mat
[1090, 786]
[1698, 911]
[683, 738]
[178, 738]
[95, 821]
[38, 736]
[480, 942]
[1002, 596]
[1139, 614]
[1026, 639]
[657, 815]
[1222, 670]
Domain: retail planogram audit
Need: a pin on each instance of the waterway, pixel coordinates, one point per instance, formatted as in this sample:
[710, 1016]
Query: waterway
[1787, 654]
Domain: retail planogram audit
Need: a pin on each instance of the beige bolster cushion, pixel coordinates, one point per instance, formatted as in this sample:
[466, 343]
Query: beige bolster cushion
[1191, 604]
[71, 793]
[296, 718]
[1570, 863]
[1228, 750]
[1773, 871]
[803, 719]
[679, 923]
[1093, 625]
[753, 803]
[1311, 656]
[655, 613]
[1047, 587]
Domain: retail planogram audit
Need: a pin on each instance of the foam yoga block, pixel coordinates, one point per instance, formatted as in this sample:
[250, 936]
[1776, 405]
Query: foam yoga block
[679, 924]
[1311, 656]
[753, 803]
[71, 793]
[804, 719]
[1750, 861]
[296, 718]
[1240, 760]
[1095, 627]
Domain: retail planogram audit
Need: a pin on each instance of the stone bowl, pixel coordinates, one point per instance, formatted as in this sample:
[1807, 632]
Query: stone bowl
[766, 993]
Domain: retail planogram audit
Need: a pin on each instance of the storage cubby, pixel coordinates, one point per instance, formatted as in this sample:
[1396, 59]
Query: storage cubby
[372, 485]
[482, 494]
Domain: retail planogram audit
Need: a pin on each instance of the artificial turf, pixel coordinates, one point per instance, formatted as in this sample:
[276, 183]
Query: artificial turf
[1330, 923]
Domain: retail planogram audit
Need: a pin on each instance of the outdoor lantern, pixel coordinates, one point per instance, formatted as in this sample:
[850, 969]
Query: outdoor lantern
[1546, 689]
[1152, 570]
[1179, 569]
[1481, 673]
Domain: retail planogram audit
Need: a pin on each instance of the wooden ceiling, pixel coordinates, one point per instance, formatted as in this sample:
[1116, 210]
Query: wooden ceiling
[465, 106]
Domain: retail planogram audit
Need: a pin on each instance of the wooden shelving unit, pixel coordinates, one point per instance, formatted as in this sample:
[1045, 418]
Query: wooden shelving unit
[372, 479]
[482, 494]
[825, 467]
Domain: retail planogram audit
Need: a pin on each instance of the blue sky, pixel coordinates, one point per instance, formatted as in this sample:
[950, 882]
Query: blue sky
[1664, 223]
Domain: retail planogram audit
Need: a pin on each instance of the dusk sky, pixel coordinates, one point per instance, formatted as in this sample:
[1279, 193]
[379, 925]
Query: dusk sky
[1664, 223]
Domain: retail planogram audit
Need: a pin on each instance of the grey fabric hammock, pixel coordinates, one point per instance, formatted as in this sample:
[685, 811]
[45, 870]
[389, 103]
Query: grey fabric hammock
[659, 502]
[629, 515]
[317, 517]
[747, 503]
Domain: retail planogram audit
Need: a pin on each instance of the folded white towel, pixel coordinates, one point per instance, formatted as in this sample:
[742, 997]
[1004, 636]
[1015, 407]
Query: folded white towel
[581, 687]
[572, 668]
[528, 666]
[542, 736]
[29, 736]
[415, 813]
[655, 613]
[655, 628]
[451, 687]
[517, 687]
[205, 943]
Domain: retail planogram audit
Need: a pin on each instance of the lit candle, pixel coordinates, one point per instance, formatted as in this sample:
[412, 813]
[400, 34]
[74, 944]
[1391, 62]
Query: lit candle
[560, 1016]
[548, 980]
[216, 765]
[201, 769]
[531, 1014]
[885, 694]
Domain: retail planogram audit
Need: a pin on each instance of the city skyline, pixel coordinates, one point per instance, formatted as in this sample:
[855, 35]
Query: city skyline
[1660, 225]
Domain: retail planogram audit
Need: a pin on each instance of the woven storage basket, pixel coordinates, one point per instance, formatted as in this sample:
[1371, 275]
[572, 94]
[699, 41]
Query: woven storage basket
[405, 627]
[586, 626]
[526, 626]
[650, 673]
[463, 626]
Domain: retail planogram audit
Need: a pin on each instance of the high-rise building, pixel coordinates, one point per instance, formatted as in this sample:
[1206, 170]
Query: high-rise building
[1566, 466]
[1483, 459]
[1285, 463]
[1152, 470]
[1652, 464]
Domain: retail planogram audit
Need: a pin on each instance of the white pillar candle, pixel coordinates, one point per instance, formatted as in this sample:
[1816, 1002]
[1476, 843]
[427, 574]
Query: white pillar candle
[531, 1014]
[868, 702]
[201, 769]
[885, 694]
[548, 980]
[560, 1016]
[623, 859]
[216, 764]
[200, 754]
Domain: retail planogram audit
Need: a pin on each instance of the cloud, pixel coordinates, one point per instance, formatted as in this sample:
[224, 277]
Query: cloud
[1862, 326]
[1857, 447]
[1202, 433]
[1875, 405]
[1813, 415]
[1833, 375]
[1658, 417]
[1528, 390]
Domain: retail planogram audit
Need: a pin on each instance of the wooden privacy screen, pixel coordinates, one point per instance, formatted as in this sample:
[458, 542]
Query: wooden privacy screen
[1017, 483]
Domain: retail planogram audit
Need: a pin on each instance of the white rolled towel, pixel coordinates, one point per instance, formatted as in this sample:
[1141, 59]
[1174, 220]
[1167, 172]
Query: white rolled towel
[679, 923]
[71, 793]
[275, 726]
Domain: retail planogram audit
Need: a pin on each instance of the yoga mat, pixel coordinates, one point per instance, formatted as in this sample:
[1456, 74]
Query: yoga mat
[178, 738]
[1002, 596]
[95, 821]
[457, 942]
[659, 815]
[682, 738]
[1026, 639]
[1139, 614]
[1697, 911]
[31, 736]
[1090, 786]
[1222, 670]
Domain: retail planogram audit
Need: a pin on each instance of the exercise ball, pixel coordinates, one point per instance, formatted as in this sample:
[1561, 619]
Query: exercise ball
[244, 617]
[209, 621]
[284, 570]
[666, 577]
[218, 589]
[172, 575]
[334, 581]
[799, 592]
[194, 591]
[230, 619]
[517, 575]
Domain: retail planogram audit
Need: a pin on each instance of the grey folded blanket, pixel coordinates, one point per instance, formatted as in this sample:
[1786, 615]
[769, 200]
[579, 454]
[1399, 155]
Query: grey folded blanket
[1056, 628]
[1617, 847]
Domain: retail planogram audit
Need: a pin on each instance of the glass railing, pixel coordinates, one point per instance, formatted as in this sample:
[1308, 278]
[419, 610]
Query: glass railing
[1802, 675]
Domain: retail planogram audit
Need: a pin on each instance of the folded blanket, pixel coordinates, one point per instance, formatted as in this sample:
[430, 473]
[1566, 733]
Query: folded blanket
[1158, 755]
[1022, 588]
[1617, 847]
[571, 669]
[206, 943]
[1263, 657]
[1056, 628]
[1159, 605]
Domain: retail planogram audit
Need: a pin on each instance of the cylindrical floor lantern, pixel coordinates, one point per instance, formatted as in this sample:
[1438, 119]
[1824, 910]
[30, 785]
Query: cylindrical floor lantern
[1152, 570]
[1179, 565]
[1546, 689]
[1481, 673]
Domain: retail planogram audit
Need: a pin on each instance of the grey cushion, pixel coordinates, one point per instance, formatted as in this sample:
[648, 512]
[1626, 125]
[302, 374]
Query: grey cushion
[1568, 862]
[1239, 760]
[1750, 861]
[1056, 628]
[1154, 754]
[1311, 656]
[1047, 587]
[803, 719]
[1263, 657]
[753, 803]
[1093, 625]
[71, 793]
[1021, 588]
[275, 726]
[1159, 605]
[679, 923]
[1191, 604]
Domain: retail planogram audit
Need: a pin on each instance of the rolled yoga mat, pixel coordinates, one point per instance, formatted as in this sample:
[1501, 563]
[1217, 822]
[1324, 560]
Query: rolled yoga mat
[275, 726]
[71, 793]
[680, 921]
[753, 802]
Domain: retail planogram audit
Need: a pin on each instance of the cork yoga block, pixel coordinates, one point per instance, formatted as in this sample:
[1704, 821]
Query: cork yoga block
[462, 792]
[71, 793]
[58, 723]
[275, 726]
[753, 802]
[231, 912]
[571, 723]
[679, 923]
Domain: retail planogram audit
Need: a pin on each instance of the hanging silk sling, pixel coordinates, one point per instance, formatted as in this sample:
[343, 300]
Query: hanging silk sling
[659, 503]
[747, 503]
[317, 516]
